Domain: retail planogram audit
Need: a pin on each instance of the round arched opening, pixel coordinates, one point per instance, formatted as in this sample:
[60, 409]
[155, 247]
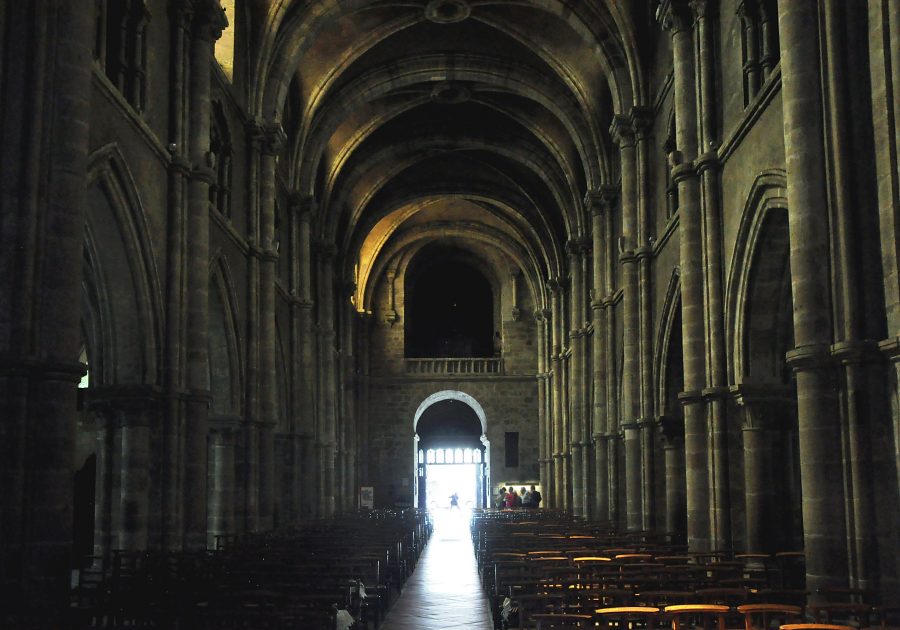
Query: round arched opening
[451, 458]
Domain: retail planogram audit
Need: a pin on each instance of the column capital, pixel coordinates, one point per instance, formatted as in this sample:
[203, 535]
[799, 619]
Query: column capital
[542, 314]
[557, 284]
[579, 246]
[124, 405]
[682, 170]
[325, 249]
[703, 9]
[675, 16]
[601, 199]
[747, 10]
[761, 403]
[809, 357]
[209, 20]
[671, 429]
[890, 348]
[855, 351]
[303, 205]
[622, 131]
[690, 398]
[273, 139]
[709, 161]
[641, 119]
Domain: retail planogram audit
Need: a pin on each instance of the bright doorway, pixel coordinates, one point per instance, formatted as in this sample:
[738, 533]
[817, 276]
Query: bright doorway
[450, 454]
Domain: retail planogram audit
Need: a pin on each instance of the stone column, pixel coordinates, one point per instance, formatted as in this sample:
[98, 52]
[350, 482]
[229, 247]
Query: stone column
[614, 437]
[221, 479]
[586, 380]
[641, 119]
[708, 168]
[349, 490]
[326, 429]
[303, 345]
[273, 141]
[545, 443]
[595, 202]
[672, 434]
[863, 403]
[623, 134]
[884, 69]
[43, 160]
[557, 396]
[748, 11]
[252, 426]
[679, 20]
[566, 457]
[364, 332]
[209, 20]
[173, 374]
[575, 435]
[760, 406]
[820, 440]
[136, 416]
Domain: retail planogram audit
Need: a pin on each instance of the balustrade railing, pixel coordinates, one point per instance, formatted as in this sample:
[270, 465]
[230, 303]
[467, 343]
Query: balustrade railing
[448, 365]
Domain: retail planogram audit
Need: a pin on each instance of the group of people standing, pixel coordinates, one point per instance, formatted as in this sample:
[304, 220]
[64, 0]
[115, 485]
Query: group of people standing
[508, 498]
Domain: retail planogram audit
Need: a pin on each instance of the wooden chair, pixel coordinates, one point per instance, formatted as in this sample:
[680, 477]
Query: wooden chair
[846, 613]
[627, 617]
[791, 569]
[708, 616]
[562, 621]
[765, 613]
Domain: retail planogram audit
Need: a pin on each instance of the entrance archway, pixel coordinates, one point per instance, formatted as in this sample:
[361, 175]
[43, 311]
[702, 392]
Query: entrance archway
[451, 451]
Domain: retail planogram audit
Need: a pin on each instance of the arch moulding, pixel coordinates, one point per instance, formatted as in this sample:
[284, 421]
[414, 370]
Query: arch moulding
[450, 394]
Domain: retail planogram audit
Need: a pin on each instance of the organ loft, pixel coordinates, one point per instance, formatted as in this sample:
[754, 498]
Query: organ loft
[275, 268]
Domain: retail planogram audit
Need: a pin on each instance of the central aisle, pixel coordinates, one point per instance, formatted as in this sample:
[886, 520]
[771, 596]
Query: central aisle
[444, 592]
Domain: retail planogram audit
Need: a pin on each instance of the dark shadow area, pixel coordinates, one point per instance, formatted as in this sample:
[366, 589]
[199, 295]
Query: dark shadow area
[449, 307]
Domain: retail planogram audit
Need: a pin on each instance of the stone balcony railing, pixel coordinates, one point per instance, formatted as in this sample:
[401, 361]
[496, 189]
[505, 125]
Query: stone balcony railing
[454, 366]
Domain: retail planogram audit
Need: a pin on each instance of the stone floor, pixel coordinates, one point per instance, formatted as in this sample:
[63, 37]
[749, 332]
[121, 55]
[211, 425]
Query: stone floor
[444, 592]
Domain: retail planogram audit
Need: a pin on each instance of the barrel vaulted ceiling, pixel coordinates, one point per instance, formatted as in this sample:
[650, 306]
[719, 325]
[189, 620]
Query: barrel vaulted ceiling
[481, 123]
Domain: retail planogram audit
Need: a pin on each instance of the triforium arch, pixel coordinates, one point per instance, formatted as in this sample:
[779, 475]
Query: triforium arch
[123, 263]
[761, 331]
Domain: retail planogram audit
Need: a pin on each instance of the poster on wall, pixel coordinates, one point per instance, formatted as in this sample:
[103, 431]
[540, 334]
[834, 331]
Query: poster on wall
[366, 497]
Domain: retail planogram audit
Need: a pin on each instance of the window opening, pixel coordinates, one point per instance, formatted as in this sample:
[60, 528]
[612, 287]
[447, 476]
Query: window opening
[120, 46]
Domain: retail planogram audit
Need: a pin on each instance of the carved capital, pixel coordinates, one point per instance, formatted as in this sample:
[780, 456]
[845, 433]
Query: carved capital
[703, 9]
[681, 170]
[675, 15]
[708, 161]
[209, 20]
[671, 429]
[622, 131]
[304, 206]
[273, 139]
[748, 11]
[642, 120]
[810, 357]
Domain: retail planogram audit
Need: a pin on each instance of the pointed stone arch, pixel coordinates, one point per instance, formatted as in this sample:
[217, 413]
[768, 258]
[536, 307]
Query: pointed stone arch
[123, 274]
[669, 315]
[225, 365]
[765, 210]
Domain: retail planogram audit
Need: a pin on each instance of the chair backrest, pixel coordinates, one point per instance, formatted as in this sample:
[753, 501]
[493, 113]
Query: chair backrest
[561, 621]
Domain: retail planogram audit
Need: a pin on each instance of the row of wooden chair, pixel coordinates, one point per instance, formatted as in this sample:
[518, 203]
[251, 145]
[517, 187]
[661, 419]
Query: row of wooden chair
[552, 564]
[303, 577]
